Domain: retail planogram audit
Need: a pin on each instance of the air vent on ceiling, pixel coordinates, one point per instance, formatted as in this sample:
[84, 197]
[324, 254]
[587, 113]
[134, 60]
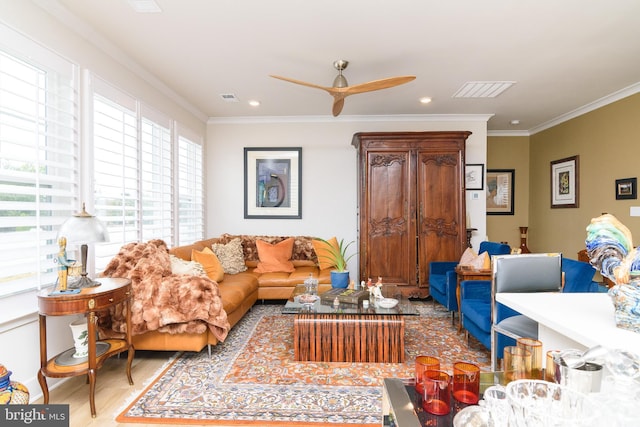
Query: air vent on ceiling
[482, 89]
[229, 97]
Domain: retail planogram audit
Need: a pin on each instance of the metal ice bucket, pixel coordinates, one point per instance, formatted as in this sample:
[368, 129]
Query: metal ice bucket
[585, 379]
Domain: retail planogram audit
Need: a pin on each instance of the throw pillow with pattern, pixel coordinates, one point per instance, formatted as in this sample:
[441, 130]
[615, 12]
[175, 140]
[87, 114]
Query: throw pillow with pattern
[231, 256]
[190, 268]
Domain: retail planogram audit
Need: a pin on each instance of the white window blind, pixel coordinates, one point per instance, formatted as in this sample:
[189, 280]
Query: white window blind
[115, 173]
[190, 190]
[156, 167]
[39, 170]
[140, 170]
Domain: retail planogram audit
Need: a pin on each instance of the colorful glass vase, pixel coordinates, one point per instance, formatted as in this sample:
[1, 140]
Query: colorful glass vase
[11, 392]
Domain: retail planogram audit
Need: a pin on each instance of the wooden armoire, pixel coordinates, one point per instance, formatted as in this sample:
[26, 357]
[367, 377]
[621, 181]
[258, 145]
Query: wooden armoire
[411, 205]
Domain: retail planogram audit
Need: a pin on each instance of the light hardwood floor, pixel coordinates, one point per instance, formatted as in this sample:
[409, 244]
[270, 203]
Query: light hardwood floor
[112, 389]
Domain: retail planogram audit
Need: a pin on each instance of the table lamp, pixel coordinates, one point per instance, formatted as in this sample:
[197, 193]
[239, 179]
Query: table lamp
[83, 228]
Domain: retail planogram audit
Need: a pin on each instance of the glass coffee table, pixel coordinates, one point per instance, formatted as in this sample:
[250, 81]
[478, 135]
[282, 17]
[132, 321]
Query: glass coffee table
[324, 332]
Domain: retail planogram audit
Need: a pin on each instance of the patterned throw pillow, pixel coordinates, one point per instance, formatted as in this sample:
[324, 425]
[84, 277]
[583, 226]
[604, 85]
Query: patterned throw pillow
[191, 268]
[231, 256]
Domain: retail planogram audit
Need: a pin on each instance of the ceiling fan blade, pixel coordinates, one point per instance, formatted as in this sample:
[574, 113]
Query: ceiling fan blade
[300, 82]
[377, 84]
[338, 103]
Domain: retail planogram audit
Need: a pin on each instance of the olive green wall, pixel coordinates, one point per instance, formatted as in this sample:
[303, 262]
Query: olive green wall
[510, 153]
[607, 142]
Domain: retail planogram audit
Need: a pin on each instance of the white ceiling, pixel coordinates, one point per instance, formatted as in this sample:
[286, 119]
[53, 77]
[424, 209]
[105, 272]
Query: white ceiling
[564, 55]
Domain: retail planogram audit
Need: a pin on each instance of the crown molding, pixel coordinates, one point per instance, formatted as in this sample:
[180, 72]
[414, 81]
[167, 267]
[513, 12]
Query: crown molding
[353, 118]
[80, 27]
[598, 103]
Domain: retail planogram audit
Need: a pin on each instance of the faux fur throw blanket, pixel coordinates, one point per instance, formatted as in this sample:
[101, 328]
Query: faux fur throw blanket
[161, 300]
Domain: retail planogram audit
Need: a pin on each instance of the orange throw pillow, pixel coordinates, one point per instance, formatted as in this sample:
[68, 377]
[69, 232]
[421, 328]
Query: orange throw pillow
[210, 263]
[275, 258]
[325, 256]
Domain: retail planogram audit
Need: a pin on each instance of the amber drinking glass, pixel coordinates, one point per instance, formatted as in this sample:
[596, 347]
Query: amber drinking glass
[516, 363]
[550, 367]
[425, 363]
[436, 397]
[466, 382]
[535, 347]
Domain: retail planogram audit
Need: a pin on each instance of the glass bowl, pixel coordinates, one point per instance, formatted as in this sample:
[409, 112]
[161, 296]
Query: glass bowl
[541, 403]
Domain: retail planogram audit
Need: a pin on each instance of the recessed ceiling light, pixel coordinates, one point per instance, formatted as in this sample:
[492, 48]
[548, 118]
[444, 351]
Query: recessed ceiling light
[425, 100]
[145, 6]
[515, 122]
[254, 103]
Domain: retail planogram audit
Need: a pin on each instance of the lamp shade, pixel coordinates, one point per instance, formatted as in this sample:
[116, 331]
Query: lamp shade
[83, 228]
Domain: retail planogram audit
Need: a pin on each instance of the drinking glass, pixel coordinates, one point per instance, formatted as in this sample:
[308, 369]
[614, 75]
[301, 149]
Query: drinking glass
[550, 366]
[535, 347]
[494, 400]
[517, 362]
[425, 363]
[466, 382]
[436, 397]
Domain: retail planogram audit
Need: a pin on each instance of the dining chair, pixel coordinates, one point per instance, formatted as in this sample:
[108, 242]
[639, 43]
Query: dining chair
[540, 272]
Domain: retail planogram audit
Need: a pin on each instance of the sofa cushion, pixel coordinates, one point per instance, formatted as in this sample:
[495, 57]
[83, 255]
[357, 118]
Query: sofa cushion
[324, 252]
[230, 255]
[275, 257]
[210, 263]
[478, 312]
[302, 246]
[190, 268]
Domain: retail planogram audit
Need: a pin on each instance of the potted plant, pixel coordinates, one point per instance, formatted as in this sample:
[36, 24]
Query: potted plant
[337, 256]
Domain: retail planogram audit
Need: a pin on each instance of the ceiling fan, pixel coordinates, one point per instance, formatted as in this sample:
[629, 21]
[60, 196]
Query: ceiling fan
[341, 89]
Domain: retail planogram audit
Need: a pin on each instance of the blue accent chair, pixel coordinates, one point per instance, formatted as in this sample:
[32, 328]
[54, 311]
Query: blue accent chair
[443, 279]
[475, 301]
[578, 276]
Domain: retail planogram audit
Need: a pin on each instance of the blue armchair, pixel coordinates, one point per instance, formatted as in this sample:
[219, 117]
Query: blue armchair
[443, 279]
[475, 301]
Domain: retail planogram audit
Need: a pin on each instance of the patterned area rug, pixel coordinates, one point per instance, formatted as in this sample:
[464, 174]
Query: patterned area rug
[251, 379]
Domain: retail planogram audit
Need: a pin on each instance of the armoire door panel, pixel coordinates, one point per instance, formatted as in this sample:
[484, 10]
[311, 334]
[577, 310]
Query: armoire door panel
[388, 224]
[439, 228]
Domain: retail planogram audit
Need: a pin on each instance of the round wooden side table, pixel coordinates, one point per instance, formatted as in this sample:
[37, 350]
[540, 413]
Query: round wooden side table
[88, 301]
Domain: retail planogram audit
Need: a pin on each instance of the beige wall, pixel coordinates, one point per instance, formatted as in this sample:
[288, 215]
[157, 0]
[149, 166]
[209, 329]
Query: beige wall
[510, 153]
[607, 142]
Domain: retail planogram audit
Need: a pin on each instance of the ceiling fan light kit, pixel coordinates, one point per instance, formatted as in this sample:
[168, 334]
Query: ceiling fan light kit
[341, 89]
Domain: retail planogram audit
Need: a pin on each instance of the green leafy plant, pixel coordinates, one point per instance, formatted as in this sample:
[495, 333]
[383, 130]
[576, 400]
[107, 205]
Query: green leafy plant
[338, 257]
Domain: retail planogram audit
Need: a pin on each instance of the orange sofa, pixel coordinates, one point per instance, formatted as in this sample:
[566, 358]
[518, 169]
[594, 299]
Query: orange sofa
[241, 290]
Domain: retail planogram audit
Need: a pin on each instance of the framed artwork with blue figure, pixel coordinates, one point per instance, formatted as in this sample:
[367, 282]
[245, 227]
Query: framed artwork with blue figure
[272, 184]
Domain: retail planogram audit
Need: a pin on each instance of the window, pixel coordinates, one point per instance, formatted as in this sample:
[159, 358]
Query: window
[136, 173]
[38, 160]
[190, 191]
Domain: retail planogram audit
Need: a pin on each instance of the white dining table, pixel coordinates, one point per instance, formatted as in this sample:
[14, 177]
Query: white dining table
[573, 320]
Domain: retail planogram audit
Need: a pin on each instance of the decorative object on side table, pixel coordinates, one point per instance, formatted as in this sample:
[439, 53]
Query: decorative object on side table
[523, 241]
[336, 255]
[11, 392]
[610, 249]
[349, 296]
[82, 228]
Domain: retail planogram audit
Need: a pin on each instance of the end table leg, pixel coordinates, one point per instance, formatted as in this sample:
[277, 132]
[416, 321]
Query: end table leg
[131, 352]
[92, 391]
[43, 385]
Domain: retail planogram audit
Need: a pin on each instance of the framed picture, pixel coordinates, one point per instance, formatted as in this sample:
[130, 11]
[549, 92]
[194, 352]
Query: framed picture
[626, 188]
[500, 191]
[272, 182]
[565, 182]
[474, 177]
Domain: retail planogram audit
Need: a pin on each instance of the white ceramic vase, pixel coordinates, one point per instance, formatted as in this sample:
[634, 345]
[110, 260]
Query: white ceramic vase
[80, 334]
